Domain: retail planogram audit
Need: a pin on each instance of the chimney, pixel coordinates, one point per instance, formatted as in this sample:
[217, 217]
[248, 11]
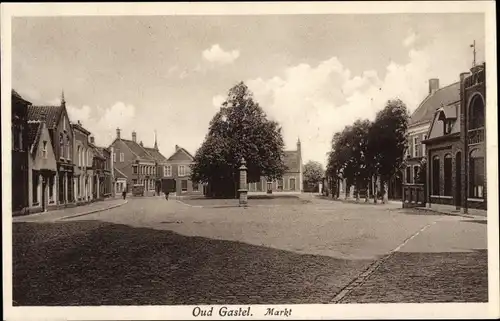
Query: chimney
[177, 147]
[141, 144]
[118, 133]
[134, 136]
[433, 85]
[92, 141]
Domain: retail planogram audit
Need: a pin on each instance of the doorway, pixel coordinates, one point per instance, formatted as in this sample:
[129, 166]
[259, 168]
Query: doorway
[458, 179]
[44, 194]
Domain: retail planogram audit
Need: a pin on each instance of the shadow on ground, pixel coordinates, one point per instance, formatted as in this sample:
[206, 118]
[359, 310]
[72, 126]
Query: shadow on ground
[97, 263]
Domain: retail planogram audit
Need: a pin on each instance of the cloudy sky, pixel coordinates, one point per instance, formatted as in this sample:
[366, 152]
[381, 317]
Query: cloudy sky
[312, 73]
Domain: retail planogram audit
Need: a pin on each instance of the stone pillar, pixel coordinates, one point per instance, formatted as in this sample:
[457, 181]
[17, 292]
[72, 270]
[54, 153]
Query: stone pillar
[243, 184]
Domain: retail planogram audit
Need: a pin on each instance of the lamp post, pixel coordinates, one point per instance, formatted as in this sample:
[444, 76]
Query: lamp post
[243, 184]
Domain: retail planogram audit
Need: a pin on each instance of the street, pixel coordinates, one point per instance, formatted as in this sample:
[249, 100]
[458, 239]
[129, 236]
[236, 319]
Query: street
[156, 252]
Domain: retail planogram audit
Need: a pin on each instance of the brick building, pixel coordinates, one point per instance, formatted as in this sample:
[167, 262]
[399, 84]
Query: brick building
[20, 151]
[456, 149]
[418, 127]
[292, 180]
[177, 168]
[135, 162]
[84, 171]
[102, 181]
[61, 134]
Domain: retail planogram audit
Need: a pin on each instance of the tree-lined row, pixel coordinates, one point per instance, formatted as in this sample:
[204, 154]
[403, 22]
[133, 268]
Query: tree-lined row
[366, 152]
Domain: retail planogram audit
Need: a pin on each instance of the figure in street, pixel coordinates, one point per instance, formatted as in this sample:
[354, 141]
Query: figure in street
[124, 194]
[166, 195]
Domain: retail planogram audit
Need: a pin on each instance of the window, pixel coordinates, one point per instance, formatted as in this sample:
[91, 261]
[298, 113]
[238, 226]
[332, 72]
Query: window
[476, 174]
[134, 168]
[167, 170]
[292, 184]
[195, 187]
[408, 174]
[182, 170]
[447, 175]
[448, 125]
[79, 155]
[114, 157]
[44, 149]
[67, 148]
[280, 184]
[122, 157]
[416, 171]
[134, 181]
[416, 146]
[64, 123]
[184, 185]
[61, 146]
[435, 175]
[20, 134]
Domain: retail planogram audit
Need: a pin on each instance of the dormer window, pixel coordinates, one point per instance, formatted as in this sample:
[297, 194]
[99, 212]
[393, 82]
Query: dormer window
[448, 125]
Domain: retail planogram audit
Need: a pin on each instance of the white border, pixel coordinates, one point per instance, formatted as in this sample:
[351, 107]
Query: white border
[352, 311]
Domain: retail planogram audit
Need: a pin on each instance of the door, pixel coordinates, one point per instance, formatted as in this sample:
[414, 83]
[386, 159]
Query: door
[458, 179]
[44, 194]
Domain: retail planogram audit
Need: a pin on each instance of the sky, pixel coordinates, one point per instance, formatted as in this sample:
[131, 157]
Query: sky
[314, 74]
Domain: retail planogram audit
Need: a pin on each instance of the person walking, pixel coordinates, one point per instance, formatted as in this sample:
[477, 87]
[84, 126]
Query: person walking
[166, 195]
[124, 194]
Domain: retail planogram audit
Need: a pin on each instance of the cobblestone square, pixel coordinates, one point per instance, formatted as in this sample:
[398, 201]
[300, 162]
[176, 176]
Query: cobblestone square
[156, 252]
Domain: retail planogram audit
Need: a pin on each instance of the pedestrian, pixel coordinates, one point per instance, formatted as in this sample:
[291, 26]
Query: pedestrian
[124, 194]
[166, 195]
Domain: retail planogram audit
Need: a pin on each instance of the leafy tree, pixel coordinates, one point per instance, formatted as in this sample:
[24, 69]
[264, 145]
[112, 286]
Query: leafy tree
[389, 141]
[313, 173]
[239, 130]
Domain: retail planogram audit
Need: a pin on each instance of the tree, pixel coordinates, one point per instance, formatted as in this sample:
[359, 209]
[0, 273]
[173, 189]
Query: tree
[239, 130]
[313, 173]
[388, 141]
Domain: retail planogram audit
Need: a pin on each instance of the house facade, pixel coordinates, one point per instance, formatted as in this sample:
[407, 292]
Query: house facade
[20, 154]
[61, 132]
[177, 169]
[418, 128]
[101, 180]
[292, 180]
[456, 147]
[135, 162]
[84, 172]
[42, 166]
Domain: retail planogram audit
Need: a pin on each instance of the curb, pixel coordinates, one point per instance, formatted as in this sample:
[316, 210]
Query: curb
[441, 212]
[91, 211]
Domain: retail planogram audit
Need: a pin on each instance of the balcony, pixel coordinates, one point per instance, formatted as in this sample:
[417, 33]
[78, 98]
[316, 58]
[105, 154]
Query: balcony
[476, 136]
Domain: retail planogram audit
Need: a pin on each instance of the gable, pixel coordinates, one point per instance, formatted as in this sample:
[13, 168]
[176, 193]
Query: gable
[292, 161]
[39, 162]
[181, 155]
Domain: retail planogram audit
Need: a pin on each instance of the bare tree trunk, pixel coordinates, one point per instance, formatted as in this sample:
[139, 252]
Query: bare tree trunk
[375, 191]
[384, 185]
[367, 195]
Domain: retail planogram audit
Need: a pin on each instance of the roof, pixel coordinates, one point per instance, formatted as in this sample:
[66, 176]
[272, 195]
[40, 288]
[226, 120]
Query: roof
[50, 113]
[139, 151]
[155, 154]
[292, 161]
[34, 133]
[97, 151]
[427, 108]
[15, 94]
[119, 174]
[178, 149]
